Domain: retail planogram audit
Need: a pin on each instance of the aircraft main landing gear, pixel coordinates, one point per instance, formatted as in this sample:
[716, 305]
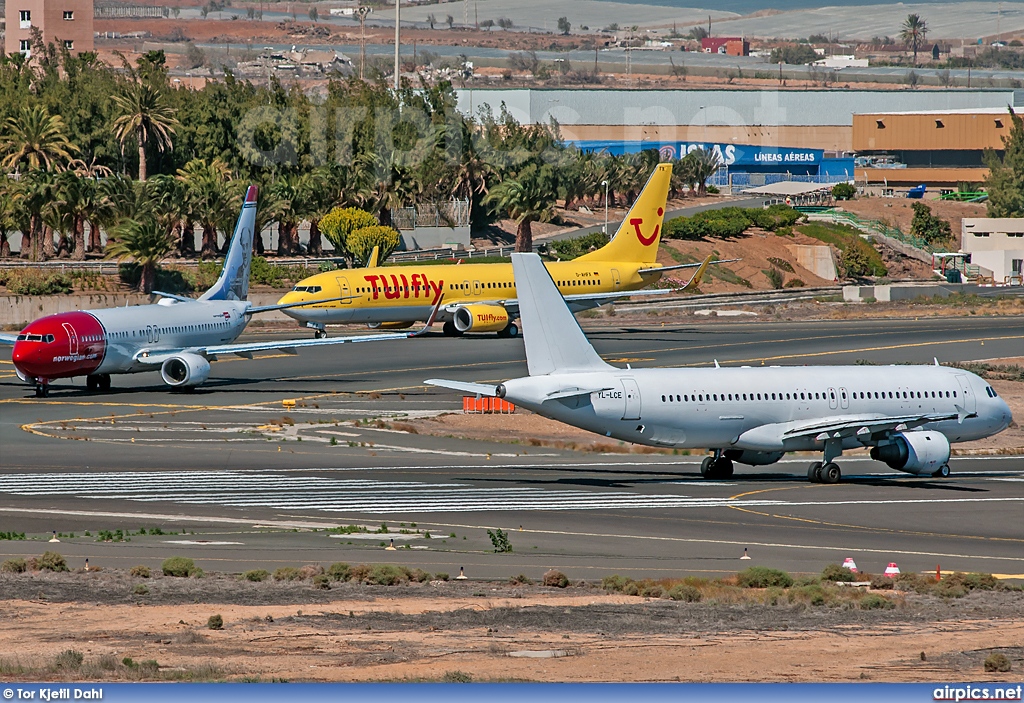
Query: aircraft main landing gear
[824, 473]
[716, 467]
[942, 472]
[98, 382]
[320, 334]
[511, 330]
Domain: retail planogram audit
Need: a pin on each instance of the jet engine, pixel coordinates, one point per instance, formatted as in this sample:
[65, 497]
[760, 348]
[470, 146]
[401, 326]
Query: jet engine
[922, 452]
[753, 458]
[480, 318]
[185, 370]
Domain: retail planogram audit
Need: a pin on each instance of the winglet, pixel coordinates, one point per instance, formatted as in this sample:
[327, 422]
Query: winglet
[695, 281]
[430, 320]
[251, 193]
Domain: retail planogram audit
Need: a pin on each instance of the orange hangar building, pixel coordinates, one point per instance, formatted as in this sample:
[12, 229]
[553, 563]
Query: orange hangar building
[939, 148]
[66, 23]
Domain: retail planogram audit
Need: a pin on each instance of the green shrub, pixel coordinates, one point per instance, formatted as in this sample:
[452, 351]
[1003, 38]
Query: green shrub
[33, 283]
[310, 571]
[179, 566]
[794, 283]
[844, 191]
[881, 583]
[141, 590]
[419, 576]
[856, 256]
[929, 227]
[340, 223]
[997, 662]
[52, 561]
[339, 571]
[811, 593]
[774, 277]
[456, 677]
[652, 590]
[140, 571]
[574, 247]
[835, 572]
[360, 573]
[763, 577]
[256, 575]
[687, 594]
[215, 622]
[499, 540]
[362, 241]
[386, 575]
[873, 601]
[972, 581]
[14, 566]
[520, 580]
[631, 588]
[615, 583]
[441, 576]
[555, 578]
[287, 573]
[322, 581]
[70, 659]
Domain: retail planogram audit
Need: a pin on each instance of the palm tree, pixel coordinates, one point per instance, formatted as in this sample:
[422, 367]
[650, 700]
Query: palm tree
[143, 114]
[7, 212]
[74, 201]
[145, 241]
[473, 169]
[34, 191]
[37, 139]
[697, 167]
[173, 209]
[914, 32]
[208, 196]
[527, 199]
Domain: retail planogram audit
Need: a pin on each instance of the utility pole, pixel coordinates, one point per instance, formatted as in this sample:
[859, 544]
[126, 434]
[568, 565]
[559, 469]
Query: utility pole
[398, 41]
[361, 13]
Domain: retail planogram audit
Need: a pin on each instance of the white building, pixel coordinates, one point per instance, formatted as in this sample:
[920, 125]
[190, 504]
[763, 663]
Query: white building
[996, 244]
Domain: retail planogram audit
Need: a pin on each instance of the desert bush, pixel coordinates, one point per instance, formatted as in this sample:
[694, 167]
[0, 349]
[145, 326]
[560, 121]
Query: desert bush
[360, 573]
[419, 576]
[997, 661]
[456, 677]
[141, 589]
[51, 561]
[385, 575]
[555, 578]
[215, 622]
[140, 571]
[287, 573]
[37, 283]
[14, 566]
[520, 580]
[881, 583]
[794, 283]
[873, 601]
[972, 581]
[441, 576]
[911, 581]
[108, 662]
[763, 577]
[310, 570]
[631, 588]
[615, 583]
[813, 594]
[179, 566]
[687, 594]
[844, 191]
[69, 659]
[256, 575]
[774, 276]
[190, 637]
[322, 581]
[835, 572]
[339, 571]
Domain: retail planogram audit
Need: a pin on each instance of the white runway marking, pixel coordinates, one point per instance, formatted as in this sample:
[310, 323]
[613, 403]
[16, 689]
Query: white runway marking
[272, 489]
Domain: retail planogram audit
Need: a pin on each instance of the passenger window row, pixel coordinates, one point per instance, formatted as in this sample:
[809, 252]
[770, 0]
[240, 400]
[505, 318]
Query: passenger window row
[863, 395]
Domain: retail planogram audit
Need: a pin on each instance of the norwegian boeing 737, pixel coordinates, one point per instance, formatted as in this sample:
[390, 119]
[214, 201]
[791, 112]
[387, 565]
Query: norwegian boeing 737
[906, 415]
[178, 336]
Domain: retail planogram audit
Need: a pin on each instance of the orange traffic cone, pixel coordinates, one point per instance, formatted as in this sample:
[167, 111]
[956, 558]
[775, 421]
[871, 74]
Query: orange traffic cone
[892, 570]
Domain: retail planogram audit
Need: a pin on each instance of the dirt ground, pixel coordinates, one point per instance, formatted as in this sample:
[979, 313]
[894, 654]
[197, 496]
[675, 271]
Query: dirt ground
[484, 631]
[898, 212]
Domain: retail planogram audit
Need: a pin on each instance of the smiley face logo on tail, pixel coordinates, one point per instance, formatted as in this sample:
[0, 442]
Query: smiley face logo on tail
[645, 240]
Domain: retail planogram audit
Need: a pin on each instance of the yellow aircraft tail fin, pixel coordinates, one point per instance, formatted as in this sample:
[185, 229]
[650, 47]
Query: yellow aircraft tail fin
[372, 263]
[639, 235]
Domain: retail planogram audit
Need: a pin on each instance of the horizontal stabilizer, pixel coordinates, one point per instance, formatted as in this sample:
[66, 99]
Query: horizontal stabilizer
[173, 296]
[696, 264]
[465, 387]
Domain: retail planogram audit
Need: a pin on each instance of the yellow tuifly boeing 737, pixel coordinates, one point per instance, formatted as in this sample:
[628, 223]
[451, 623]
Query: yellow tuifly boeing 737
[482, 297]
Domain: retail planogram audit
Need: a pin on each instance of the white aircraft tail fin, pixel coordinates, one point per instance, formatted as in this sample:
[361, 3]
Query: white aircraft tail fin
[554, 340]
[233, 283]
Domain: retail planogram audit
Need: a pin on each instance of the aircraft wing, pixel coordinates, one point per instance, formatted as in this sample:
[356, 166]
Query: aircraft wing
[288, 346]
[867, 428]
[585, 301]
[8, 339]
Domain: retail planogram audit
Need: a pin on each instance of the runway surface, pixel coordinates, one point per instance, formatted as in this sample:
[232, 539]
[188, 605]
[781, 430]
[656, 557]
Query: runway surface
[241, 470]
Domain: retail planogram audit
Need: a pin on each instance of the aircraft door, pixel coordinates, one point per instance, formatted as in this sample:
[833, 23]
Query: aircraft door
[969, 402]
[345, 290]
[833, 399]
[631, 394]
[72, 339]
[616, 280]
[844, 398]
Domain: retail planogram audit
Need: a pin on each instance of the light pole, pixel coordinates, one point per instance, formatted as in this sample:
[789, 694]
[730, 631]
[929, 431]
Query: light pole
[605, 184]
[398, 24]
[361, 13]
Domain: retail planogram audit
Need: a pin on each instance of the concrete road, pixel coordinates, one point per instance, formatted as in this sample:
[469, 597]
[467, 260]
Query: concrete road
[235, 466]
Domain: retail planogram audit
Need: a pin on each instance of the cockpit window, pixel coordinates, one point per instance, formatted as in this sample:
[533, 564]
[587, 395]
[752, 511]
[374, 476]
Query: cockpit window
[991, 392]
[307, 289]
[48, 339]
[34, 338]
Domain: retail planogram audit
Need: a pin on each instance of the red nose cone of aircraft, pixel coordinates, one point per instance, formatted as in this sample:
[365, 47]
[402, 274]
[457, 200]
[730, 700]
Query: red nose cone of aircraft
[58, 346]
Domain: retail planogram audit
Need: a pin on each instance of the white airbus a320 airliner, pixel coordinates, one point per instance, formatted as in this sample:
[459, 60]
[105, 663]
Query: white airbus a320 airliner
[907, 415]
[178, 336]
